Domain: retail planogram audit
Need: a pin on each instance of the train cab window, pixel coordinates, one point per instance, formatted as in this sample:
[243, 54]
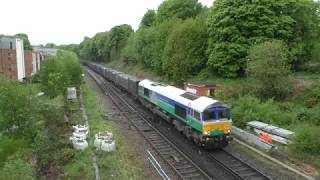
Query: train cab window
[146, 92]
[196, 115]
[223, 114]
[209, 116]
[180, 111]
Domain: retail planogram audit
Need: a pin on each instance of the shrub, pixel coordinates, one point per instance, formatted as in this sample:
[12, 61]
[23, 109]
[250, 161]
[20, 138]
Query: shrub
[249, 108]
[18, 109]
[307, 140]
[268, 67]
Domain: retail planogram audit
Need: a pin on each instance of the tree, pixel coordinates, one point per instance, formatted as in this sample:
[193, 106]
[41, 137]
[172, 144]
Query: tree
[236, 25]
[148, 18]
[129, 52]
[53, 77]
[50, 45]
[181, 9]
[118, 38]
[185, 50]
[269, 68]
[26, 42]
[73, 68]
[87, 50]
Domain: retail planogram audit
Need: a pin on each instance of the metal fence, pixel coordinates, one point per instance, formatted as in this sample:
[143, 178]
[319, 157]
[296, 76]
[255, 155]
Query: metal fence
[248, 137]
[157, 166]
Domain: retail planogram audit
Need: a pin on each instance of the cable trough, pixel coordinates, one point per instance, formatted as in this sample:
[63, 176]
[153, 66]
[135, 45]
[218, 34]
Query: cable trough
[176, 159]
[237, 167]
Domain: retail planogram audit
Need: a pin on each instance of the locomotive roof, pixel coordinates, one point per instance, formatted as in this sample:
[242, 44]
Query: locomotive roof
[200, 103]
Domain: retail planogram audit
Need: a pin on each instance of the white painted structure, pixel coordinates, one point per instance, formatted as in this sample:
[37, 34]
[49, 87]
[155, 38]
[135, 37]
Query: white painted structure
[20, 59]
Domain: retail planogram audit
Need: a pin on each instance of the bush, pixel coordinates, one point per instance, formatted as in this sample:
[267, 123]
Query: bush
[269, 69]
[18, 109]
[307, 140]
[248, 108]
[311, 116]
[16, 168]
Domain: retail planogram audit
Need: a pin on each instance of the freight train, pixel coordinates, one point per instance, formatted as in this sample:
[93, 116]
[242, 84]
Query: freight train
[204, 120]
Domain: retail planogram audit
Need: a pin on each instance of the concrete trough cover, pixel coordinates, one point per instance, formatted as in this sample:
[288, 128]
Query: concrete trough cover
[269, 128]
[283, 133]
[257, 124]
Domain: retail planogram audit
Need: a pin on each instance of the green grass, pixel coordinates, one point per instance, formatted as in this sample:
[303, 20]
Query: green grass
[10, 146]
[120, 164]
[81, 166]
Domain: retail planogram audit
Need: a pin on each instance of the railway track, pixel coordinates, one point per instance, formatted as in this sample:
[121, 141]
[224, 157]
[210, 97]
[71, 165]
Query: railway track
[182, 165]
[236, 166]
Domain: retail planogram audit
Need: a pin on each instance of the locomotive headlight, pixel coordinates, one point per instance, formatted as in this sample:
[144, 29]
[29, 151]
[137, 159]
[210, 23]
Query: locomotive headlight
[205, 133]
[228, 131]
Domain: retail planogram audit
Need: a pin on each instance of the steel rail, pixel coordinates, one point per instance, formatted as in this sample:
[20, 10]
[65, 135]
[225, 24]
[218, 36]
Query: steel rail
[182, 165]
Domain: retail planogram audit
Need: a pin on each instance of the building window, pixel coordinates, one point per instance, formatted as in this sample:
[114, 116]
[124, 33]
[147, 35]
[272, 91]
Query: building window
[11, 45]
[9, 56]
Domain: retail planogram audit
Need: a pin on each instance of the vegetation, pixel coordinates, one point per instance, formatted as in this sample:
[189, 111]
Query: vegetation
[120, 164]
[235, 26]
[268, 66]
[59, 72]
[34, 129]
[265, 55]
[26, 42]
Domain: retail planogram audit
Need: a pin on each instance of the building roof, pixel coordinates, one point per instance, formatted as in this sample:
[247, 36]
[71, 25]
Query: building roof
[199, 104]
[201, 85]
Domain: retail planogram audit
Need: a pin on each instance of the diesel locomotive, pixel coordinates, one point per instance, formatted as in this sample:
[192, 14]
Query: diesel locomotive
[206, 121]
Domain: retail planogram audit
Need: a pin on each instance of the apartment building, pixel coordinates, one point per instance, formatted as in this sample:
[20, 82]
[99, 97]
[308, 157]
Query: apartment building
[15, 62]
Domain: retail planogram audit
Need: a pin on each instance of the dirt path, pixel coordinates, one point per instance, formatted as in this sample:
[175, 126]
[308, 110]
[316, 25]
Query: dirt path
[133, 137]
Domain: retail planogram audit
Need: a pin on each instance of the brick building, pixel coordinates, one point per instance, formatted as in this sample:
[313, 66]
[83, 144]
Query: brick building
[15, 62]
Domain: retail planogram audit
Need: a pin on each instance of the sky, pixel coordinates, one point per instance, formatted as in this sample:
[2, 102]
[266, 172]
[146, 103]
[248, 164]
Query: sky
[68, 21]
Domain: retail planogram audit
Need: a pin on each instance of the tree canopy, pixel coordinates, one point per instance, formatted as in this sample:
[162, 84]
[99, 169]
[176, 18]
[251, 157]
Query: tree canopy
[236, 25]
[182, 9]
[232, 28]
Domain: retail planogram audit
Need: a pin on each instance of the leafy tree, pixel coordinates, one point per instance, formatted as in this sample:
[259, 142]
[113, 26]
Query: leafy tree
[148, 19]
[182, 9]
[26, 42]
[118, 38]
[53, 77]
[71, 47]
[150, 44]
[59, 72]
[185, 50]
[129, 53]
[72, 65]
[268, 67]
[87, 50]
[236, 25]
[50, 45]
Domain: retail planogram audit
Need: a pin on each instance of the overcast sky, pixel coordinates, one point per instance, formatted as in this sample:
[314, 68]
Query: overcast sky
[68, 21]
